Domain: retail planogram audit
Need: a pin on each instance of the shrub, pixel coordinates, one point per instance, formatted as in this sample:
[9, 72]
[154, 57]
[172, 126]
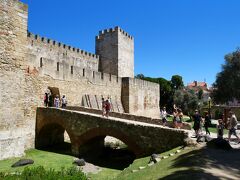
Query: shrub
[39, 173]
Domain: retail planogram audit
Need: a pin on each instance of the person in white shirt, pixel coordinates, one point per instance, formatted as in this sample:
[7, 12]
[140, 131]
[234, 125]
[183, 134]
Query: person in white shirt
[164, 116]
[64, 101]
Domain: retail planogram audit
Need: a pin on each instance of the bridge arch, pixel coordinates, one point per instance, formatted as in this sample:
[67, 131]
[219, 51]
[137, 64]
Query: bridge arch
[50, 134]
[97, 135]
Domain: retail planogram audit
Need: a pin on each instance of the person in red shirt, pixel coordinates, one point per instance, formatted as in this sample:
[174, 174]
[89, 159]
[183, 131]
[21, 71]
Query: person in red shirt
[107, 107]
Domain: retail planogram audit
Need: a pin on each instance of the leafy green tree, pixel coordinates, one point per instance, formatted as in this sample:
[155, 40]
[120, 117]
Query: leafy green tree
[200, 94]
[186, 99]
[140, 76]
[227, 84]
[177, 82]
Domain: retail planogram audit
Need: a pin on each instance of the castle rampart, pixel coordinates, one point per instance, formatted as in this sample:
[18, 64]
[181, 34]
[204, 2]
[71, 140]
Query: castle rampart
[30, 64]
[43, 47]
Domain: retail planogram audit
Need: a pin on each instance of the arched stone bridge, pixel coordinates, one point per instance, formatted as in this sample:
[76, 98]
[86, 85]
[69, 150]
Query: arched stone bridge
[88, 130]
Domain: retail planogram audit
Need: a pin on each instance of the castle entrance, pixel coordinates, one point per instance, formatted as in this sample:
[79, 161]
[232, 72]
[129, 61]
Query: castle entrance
[54, 92]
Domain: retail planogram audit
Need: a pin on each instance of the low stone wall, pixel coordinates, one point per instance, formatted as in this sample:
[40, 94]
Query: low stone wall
[126, 116]
[220, 109]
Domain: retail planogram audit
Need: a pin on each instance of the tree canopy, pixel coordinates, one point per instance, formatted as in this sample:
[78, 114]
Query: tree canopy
[177, 82]
[227, 85]
[187, 100]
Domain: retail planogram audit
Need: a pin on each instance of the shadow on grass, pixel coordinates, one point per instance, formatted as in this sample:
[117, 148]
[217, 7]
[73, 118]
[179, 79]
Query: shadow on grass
[118, 159]
[191, 174]
[61, 148]
[108, 157]
[203, 158]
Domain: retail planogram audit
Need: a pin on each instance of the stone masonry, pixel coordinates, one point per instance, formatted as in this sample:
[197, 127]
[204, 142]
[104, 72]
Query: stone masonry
[29, 64]
[87, 132]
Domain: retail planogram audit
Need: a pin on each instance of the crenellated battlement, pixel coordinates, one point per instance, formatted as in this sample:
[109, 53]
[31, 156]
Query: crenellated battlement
[36, 39]
[69, 72]
[139, 83]
[104, 32]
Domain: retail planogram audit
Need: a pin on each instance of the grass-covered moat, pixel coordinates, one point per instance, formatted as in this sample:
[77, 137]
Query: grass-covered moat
[60, 165]
[190, 163]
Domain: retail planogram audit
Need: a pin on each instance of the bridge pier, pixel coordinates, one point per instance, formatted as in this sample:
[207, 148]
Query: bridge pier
[92, 147]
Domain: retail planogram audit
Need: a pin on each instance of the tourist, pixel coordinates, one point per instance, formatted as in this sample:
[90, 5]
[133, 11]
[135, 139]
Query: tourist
[64, 101]
[46, 100]
[103, 107]
[207, 122]
[220, 129]
[197, 121]
[56, 101]
[107, 107]
[174, 117]
[164, 116]
[179, 117]
[232, 126]
[50, 100]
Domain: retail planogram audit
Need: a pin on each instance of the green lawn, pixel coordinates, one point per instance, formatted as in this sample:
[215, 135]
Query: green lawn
[109, 174]
[41, 158]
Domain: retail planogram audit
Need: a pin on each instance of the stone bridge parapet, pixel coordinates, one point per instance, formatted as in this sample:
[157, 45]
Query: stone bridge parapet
[89, 129]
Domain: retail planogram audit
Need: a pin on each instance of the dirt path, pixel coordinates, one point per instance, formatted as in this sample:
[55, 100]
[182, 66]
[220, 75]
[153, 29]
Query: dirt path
[217, 163]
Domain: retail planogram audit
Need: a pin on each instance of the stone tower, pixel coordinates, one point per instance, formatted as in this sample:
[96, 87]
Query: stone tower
[13, 40]
[116, 50]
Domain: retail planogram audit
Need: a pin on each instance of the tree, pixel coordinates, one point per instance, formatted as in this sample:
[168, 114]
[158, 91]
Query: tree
[186, 99]
[227, 84]
[176, 82]
[166, 94]
[200, 94]
[139, 76]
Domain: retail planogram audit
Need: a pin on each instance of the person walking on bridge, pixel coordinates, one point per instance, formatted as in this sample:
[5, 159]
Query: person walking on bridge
[103, 107]
[56, 101]
[107, 107]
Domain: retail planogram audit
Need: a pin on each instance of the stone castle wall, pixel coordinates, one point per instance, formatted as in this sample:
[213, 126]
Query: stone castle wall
[13, 20]
[29, 64]
[40, 47]
[140, 97]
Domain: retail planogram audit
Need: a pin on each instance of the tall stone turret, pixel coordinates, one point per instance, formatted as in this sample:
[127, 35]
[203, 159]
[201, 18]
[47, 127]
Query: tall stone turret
[13, 40]
[116, 50]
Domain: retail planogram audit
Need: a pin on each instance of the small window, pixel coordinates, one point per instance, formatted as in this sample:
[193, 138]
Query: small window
[93, 74]
[83, 72]
[71, 69]
[41, 62]
[57, 66]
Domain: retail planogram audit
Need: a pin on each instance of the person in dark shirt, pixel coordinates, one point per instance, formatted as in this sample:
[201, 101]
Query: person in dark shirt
[197, 121]
[207, 122]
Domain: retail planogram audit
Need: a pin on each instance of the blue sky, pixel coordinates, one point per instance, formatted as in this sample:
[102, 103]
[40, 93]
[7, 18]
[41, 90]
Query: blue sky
[184, 37]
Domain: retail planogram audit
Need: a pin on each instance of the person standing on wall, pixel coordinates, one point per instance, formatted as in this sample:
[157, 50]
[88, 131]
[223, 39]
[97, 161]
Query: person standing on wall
[56, 101]
[64, 101]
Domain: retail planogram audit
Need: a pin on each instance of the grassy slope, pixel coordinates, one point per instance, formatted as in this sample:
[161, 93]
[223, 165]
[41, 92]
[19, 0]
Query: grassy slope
[127, 173]
[159, 170]
[43, 158]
